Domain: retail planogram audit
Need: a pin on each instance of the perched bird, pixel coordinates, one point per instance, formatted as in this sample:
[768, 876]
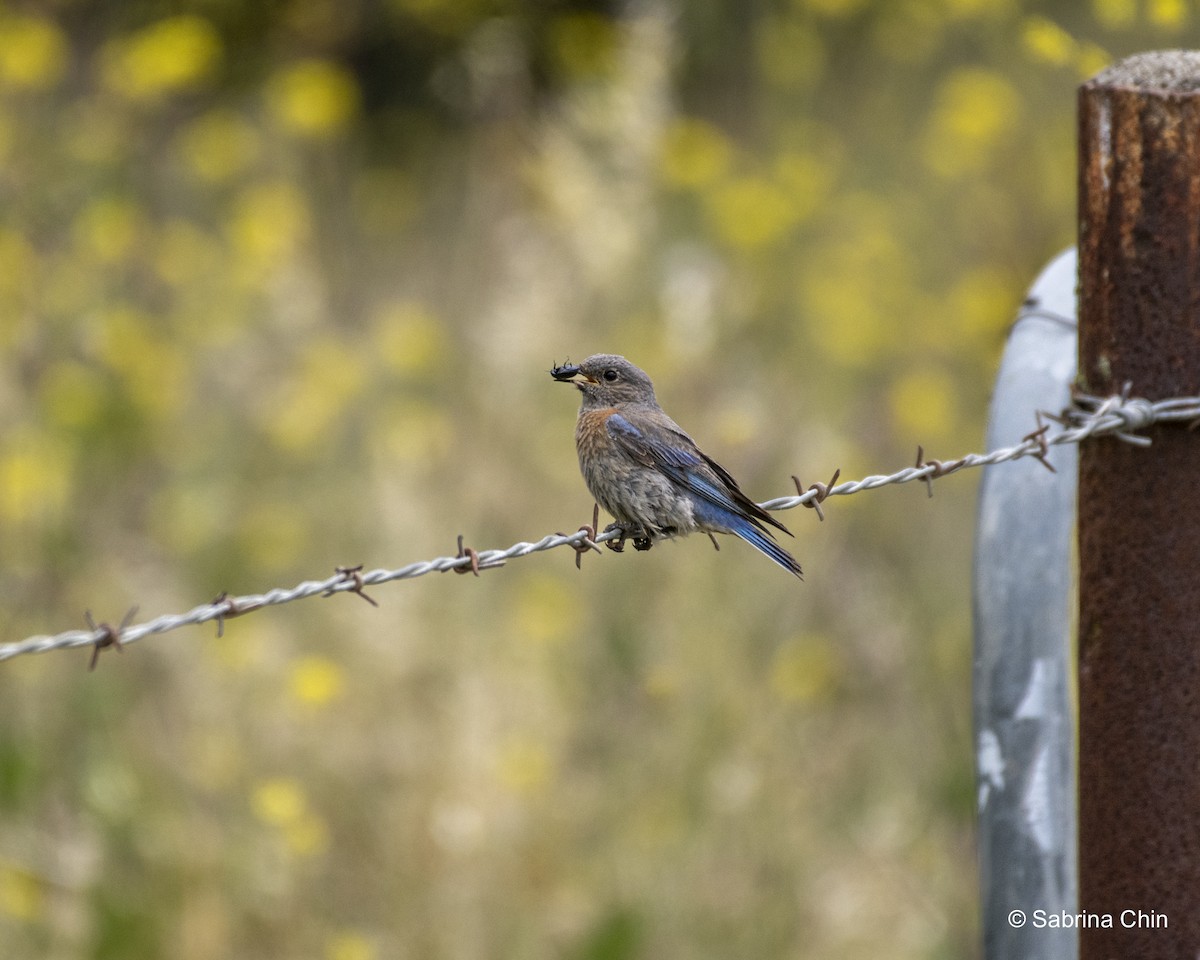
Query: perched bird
[650, 475]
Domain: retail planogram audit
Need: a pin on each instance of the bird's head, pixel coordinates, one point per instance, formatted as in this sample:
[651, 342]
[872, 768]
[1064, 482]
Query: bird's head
[606, 380]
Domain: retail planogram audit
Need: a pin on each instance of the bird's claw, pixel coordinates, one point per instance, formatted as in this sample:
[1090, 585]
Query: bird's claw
[642, 540]
[617, 544]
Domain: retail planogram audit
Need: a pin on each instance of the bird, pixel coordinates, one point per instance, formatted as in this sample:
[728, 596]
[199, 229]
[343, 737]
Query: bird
[648, 473]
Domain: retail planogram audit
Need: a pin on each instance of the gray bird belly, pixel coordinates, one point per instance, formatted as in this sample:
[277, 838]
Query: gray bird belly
[638, 495]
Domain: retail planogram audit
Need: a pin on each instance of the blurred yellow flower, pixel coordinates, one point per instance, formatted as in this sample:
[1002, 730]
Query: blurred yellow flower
[1047, 42]
[219, 145]
[750, 212]
[1092, 59]
[269, 223]
[974, 109]
[33, 52]
[313, 98]
[172, 55]
[583, 44]
[282, 803]
[36, 472]
[21, 896]
[328, 376]
[106, 228]
[694, 153]
[307, 837]
[1170, 14]
[279, 801]
[523, 765]
[350, 946]
[153, 369]
[923, 404]
[410, 339]
[805, 670]
[851, 287]
[1115, 14]
[316, 681]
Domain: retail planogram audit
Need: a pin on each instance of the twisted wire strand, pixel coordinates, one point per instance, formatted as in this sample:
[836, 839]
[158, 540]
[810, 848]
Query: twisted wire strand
[1118, 415]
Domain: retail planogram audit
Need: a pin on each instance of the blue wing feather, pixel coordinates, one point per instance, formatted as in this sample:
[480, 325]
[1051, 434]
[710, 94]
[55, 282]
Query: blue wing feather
[677, 456]
[721, 504]
[649, 448]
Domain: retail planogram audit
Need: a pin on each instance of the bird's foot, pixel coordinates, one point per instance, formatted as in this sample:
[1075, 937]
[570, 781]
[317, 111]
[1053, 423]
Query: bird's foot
[638, 534]
[617, 544]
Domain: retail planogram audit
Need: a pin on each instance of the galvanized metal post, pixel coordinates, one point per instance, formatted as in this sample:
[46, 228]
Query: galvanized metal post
[1139, 514]
[1023, 602]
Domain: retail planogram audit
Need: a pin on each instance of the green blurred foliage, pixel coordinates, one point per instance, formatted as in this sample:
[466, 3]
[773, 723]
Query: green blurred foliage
[279, 287]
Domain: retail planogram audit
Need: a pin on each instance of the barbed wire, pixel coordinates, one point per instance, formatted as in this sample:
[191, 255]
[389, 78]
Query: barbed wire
[1121, 416]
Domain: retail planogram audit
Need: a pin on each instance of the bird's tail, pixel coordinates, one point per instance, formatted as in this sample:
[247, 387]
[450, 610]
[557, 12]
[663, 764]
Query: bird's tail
[761, 540]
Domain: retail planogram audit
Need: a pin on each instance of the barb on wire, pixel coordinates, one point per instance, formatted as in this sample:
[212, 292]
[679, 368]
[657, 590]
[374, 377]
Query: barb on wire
[589, 540]
[1092, 417]
[821, 492]
[474, 560]
[1121, 416]
[353, 576]
[107, 636]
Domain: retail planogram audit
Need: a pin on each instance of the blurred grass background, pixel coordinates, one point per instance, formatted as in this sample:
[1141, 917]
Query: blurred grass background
[279, 287]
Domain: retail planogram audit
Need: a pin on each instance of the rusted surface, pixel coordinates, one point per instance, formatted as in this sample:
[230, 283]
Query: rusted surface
[1139, 514]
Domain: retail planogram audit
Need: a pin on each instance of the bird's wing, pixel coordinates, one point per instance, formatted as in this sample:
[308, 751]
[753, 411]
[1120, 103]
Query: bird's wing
[670, 450]
[654, 445]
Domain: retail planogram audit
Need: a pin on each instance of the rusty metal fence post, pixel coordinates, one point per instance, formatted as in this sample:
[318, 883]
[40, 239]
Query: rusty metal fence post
[1139, 514]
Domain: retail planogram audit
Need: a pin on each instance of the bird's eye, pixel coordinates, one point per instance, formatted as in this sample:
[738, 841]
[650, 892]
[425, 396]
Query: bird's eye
[610, 375]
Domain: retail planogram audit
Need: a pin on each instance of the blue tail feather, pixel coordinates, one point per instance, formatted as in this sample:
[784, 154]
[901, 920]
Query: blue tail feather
[756, 538]
[709, 515]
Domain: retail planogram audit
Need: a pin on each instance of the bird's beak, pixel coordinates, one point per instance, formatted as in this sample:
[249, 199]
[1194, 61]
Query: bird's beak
[570, 373]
